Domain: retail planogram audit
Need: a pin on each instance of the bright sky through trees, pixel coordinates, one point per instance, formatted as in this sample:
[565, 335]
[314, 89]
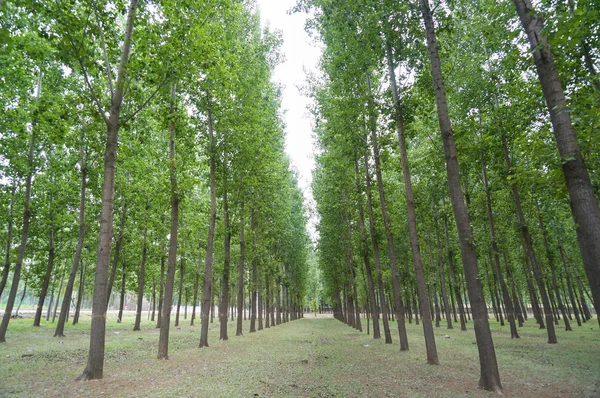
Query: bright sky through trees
[301, 54]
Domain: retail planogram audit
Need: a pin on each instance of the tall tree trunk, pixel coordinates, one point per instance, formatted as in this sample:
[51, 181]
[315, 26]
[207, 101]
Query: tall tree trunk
[79, 293]
[66, 304]
[6, 268]
[528, 243]
[122, 293]
[584, 205]
[22, 294]
[259, 294]
[365, 253]
[180, 290]
[254, 274]
[195, 299]
[153, 298]
[207, 291]
[49, 266]
[278, 302]
[224, 304]
[550, 258]
[489, 375]
[24, 229]
[118, 245]
[62, 277]
[454, 282]
[161, 287]
[398, 304]
[95, 365]
[432, 357]
[51, 302]
[356, 316]
[440, 261]
[141, 275]
[167, 298]
[240, 283]
[375, 243]
[499, 274]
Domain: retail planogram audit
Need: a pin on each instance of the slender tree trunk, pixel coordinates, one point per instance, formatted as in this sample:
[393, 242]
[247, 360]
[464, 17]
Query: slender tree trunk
[454, 282]
[528, 243]
[432, 357]
[278, 303]
[22, 295]
[550, 258]
[62, 276]
[584, 205]
[79, 293]
[153, 298]
[207, 291]
[398, 305]
[506, 296]
[24, 229]
[195, 299]
[49, 266]
[489, 375]
[167, 298]
[224, 303]
[259, 295]
[66, 304]
[440, 261]
[240, 283]
[365, 253]
[6, 268]
[180, 290]
[95, 365]
[254, 276]
[51, 302]
[375, 243]
[141, 275]
[122, 293]
[115, 261]
[161, 287]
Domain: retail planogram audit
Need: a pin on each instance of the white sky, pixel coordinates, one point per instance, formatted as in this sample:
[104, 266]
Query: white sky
[301, 53]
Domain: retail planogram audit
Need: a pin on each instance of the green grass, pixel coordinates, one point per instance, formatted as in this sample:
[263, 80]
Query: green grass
[305, 358]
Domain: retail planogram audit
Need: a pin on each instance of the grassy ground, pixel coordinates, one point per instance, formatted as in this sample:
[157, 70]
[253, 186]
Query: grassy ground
[305, 358]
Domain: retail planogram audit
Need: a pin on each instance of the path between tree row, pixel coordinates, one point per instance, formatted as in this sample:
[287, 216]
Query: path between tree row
[311, 357]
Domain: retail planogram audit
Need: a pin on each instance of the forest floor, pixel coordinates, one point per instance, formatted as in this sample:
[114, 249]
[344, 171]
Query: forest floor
[311, 357]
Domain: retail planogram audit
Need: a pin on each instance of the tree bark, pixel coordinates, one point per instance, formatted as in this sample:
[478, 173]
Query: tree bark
[365, 253]
[180, 290]
[207, 291]
[432, 357]
[254, 274]
[514, 334]
[167, 298]
[141, 275]
[6, 268]
[115, 261]
[79, 293]
[240, 286]
[528, 244]
[584, 205]
[95, 364]
[24, 229]
[195, 299]
[122, 293]
[66, 304]
[224, 303]
[375, 243]
[489, 375]
[49, 266]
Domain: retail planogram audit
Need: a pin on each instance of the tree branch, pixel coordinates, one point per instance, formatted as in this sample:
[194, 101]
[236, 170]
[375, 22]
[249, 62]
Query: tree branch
[87, 82]
[110, 84]
[128, 118]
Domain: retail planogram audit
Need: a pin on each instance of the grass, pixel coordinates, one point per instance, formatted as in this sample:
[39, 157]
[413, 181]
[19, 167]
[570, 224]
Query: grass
[311, 357]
